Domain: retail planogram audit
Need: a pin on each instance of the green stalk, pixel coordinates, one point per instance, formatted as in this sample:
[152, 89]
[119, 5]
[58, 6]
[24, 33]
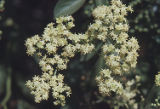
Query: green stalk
[8, 91]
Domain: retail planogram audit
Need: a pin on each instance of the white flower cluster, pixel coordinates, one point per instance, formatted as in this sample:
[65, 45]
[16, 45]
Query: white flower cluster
[40, 87]
[129, 93]
[58, 44]
[106, 83]
[54, 48]
[120, 51]
[128, 96]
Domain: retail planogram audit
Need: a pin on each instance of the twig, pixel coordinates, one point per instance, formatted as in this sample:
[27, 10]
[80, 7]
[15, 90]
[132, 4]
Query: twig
[8, 91]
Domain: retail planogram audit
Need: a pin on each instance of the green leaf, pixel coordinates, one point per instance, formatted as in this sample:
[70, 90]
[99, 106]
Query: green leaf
[67, 7]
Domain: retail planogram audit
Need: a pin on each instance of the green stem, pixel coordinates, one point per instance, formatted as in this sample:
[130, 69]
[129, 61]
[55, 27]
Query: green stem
[8, 91]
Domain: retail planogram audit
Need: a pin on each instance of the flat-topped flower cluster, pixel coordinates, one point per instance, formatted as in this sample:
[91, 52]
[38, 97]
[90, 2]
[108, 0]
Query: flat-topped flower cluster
[119, 51]
[58, 44]
[54, 48]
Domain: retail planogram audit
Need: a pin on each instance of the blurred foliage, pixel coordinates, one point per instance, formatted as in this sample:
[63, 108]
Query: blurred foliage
[24, 18]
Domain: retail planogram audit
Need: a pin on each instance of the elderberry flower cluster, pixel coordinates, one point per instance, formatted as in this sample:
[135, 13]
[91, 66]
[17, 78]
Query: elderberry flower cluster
[58, 44]
[129, 93]
[107, 83]
[119, 51]
[40, 87]
[54, 48]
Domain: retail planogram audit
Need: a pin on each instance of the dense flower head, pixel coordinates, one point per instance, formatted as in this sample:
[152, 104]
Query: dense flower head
[129, 93]
[107, 83]
[54, 49]
[120, 51]
[58, 44]
[40, 87]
